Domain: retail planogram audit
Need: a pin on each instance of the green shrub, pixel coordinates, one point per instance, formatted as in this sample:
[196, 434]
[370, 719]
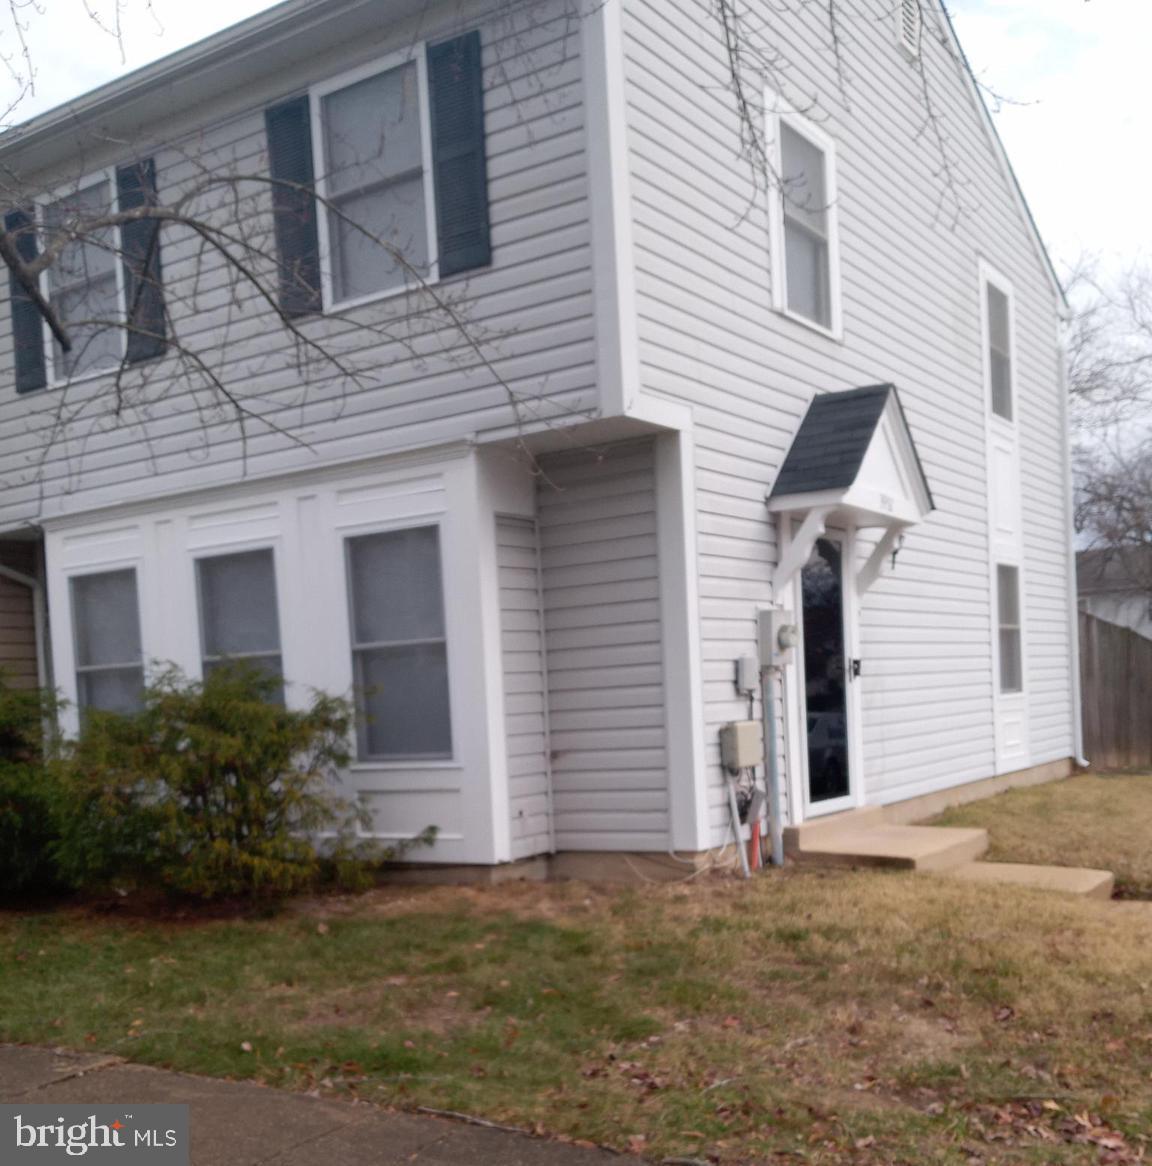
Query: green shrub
[27, 827]
[214, 790]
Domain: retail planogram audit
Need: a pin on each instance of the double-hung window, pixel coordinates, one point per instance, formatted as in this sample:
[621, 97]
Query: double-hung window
[84, 282]
[103, 280]
[106, 633]
[804, 224]
[375, 176]
[1008, 609]
[396, 151]
[238, 611]
[399, 649]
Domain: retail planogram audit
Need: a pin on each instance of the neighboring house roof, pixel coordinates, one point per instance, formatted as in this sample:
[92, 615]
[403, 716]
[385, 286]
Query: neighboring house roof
[1114, 571]
[834, 437]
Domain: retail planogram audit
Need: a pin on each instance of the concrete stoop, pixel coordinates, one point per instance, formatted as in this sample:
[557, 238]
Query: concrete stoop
[864, 838]
[1071, 880]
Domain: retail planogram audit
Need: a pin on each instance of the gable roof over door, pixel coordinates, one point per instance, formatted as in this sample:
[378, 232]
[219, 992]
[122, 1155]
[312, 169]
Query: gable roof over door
[852, 440]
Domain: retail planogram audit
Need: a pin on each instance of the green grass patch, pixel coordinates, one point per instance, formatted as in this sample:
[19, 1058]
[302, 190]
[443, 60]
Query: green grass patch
[859, 1014]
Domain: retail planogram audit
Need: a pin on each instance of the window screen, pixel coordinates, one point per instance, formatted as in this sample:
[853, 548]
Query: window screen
[239, 618]
[804, 184]
[1008, 600]
[106, 627]
[999, 352]
[399, 652]
[374, 175]
[83, 284]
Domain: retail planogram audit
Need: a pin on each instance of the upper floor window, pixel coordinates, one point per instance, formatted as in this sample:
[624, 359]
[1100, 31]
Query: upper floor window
[396, 152]
[378, 224]
[84, 282]
[998, 329]
[104, 282]
[804, 225]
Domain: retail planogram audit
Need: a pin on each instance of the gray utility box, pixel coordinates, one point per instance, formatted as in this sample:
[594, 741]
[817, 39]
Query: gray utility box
[741, 745]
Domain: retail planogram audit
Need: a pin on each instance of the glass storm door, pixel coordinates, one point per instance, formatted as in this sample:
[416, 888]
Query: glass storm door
[825, 673]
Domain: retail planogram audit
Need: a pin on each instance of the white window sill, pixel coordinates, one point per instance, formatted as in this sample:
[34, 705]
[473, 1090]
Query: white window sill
[402, 766]
[835, 333]
[338, 308]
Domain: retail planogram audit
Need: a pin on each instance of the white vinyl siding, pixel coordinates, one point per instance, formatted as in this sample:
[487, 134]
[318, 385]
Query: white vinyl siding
[909, 316]
[603, 635]
[525, 694]
[418, 382]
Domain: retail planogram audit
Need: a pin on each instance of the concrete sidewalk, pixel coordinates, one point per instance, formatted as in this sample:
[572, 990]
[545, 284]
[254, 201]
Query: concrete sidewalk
[236, 1123]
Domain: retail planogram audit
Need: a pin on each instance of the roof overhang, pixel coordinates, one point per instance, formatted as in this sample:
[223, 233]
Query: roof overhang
[853, 463]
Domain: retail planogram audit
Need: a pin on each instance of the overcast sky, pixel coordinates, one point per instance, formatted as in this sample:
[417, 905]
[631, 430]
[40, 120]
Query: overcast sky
[1080, 142]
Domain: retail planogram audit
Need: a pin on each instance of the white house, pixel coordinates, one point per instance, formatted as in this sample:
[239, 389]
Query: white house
[648, 366]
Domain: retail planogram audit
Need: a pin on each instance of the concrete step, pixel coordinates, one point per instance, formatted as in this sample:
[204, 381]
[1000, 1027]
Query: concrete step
[807, 835]
[903, 847]
[1071, 880]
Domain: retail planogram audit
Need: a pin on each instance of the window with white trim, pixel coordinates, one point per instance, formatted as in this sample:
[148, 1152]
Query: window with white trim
[84, 283]
[804, 223]
[998, 308]
[374, 137]
[239, 618]
[106, 634]
[399, 647]
[1008, 614]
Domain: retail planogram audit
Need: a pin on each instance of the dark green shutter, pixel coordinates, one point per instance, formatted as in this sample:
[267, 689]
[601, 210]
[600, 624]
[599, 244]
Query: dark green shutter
[294, 211]
[27, 326]
[459, 162]
[140, 242]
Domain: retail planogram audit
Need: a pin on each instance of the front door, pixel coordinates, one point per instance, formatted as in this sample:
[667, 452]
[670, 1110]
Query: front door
[826, 677]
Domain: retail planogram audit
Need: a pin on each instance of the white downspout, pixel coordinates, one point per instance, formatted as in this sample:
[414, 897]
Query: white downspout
[1073, 606]
[38, 619]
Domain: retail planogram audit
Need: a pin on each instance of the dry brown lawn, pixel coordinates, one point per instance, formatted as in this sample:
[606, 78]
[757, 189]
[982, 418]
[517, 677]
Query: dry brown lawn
[1095, 820]
[803, 1017]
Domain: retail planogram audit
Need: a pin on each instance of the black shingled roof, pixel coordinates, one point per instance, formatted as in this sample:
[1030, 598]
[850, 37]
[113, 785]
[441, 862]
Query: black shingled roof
[833, 438]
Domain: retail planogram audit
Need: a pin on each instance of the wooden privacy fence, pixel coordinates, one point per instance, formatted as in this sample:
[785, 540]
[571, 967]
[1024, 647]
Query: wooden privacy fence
[1116, 689]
